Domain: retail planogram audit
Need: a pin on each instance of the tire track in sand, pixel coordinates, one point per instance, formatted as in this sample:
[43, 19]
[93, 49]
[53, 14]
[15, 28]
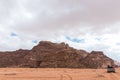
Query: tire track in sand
[113, 76]
[65, 77]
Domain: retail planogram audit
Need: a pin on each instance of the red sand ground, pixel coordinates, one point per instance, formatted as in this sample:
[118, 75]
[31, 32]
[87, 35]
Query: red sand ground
[57, 74]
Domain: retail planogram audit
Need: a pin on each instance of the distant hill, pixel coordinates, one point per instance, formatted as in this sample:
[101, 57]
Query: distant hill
[117, 63]
[54, 55]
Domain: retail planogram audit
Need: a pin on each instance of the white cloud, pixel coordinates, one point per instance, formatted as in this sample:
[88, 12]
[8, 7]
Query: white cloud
[97, 22]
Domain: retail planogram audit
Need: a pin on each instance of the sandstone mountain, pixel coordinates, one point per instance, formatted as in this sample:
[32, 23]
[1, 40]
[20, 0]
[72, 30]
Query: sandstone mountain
[54, 55]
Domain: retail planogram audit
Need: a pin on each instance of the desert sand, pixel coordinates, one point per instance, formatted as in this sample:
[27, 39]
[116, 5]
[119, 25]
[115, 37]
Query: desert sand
[57, 74]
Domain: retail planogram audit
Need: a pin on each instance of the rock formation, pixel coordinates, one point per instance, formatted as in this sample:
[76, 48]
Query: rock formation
[96, 59]
[54, 55]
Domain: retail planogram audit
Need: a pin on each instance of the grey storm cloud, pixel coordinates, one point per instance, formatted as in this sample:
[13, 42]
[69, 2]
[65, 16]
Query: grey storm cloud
[50, 15]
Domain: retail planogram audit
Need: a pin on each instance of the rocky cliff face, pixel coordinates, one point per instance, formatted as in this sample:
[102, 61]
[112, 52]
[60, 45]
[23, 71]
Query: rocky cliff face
[13, 59]
[96, 59]
[48, 54]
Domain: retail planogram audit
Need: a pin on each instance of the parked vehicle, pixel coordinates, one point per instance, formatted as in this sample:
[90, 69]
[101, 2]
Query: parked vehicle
[110, 69]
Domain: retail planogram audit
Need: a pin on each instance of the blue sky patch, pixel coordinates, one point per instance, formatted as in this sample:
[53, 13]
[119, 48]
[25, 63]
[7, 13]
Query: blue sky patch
[118, 44]
[76, 40]
[13, 34]
[68, 38]
[35, 41]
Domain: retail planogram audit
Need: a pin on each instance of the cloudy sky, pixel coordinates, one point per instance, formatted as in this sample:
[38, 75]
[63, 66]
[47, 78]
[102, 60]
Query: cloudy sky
[83, 24]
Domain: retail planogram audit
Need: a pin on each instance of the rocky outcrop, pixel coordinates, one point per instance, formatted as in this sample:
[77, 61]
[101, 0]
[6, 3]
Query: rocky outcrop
[54, 55]
[61, 59]
[96, 59]
[13, 59]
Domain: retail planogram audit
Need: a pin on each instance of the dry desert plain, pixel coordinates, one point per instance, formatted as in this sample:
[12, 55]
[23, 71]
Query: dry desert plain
[57, 74]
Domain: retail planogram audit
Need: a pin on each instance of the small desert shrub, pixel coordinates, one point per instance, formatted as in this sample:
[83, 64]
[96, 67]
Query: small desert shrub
[100, 75]
[10, 74]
